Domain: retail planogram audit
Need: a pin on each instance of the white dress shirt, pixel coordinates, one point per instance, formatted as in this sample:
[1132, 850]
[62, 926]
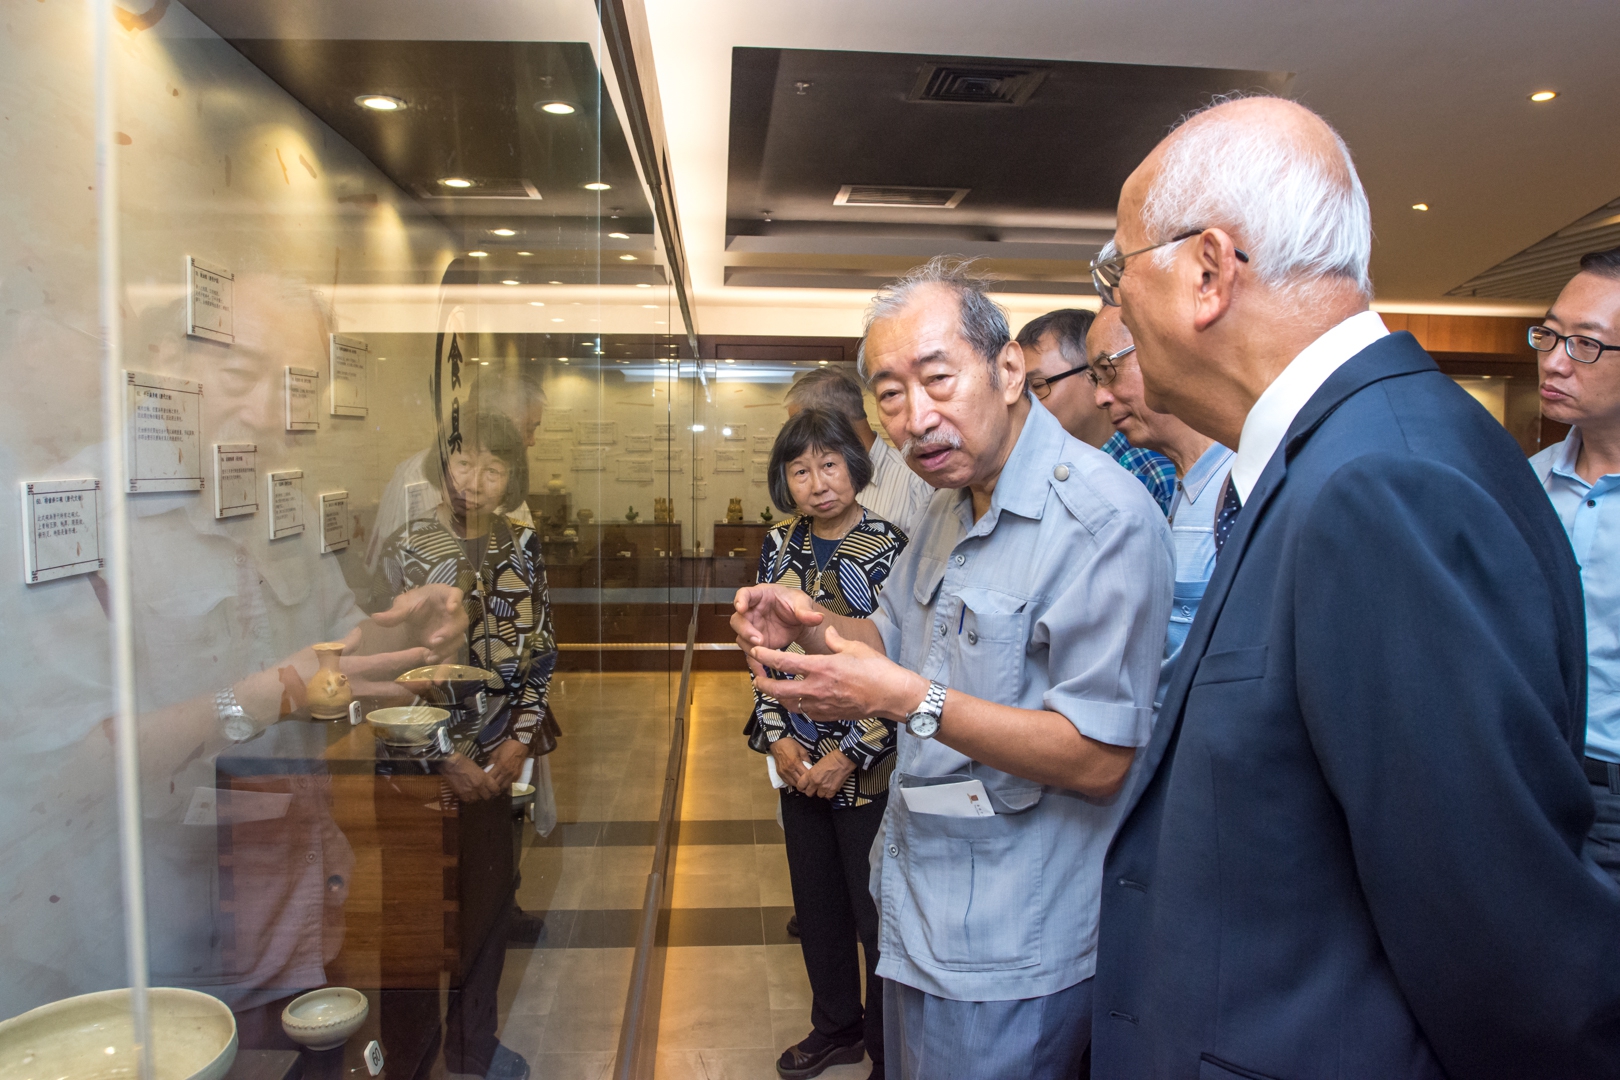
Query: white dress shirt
[896, 494]
[1275, 410]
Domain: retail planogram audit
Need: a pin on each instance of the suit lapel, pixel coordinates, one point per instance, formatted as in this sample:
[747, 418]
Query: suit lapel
[1396, 354]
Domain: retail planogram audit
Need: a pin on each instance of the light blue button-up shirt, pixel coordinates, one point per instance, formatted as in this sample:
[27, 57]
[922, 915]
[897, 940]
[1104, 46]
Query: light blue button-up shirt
[1192, 532]
[1591, 516]
[1057, 599]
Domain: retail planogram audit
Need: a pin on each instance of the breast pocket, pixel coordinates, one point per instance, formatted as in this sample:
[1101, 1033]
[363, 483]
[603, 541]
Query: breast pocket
[977, 889]
[987, 655]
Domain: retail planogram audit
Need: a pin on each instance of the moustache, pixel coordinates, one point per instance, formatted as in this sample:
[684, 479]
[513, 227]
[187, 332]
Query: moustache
[915, 445]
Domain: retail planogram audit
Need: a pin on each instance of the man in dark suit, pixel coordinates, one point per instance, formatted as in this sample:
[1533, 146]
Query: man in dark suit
[1354, 846]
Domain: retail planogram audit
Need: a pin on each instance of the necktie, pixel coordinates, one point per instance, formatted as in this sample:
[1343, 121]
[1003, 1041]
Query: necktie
[1231, 506]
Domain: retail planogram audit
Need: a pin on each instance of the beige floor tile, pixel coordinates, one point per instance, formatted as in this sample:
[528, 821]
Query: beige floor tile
[530, 979]
[615, 892]
[715, 998]
[745, 1064]
[589, 1004]
[771, 868]
[715, 890]
[587, 1066]
[790, 986]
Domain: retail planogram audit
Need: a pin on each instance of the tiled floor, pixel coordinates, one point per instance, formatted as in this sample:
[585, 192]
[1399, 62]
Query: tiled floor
[735, 992]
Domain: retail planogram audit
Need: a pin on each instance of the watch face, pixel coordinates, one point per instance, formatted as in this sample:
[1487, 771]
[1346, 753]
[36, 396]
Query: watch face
[923, 725]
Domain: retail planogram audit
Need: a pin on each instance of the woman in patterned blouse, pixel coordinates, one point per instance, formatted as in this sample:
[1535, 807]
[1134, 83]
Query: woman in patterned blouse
[468, 541]
[837, 774]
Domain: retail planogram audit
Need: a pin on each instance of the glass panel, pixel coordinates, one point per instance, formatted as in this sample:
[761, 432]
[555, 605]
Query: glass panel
[399, 366]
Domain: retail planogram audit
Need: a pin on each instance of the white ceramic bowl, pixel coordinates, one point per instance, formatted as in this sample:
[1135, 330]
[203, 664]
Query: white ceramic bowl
[90, 1037]
[409, 725]
[324, 1019]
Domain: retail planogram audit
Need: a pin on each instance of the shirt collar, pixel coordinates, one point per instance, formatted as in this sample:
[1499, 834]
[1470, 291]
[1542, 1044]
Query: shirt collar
[1209, 463]
[880, 454]
[1565, 456]
[1021, 487]
[1274, 411]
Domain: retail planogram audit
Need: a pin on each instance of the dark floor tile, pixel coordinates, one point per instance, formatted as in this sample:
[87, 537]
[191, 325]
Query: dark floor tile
[776, 925]
[767, 831]
[688, 927]
[722, 831]
[607, 929]
[629, 833]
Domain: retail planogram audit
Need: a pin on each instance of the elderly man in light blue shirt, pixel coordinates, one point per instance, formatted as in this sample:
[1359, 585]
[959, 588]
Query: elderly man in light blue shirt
[1579, 346]
[1019, 639]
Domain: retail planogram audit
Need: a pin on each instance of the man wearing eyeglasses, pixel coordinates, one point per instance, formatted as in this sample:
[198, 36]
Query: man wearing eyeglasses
[1054, 348]
[1579, 347]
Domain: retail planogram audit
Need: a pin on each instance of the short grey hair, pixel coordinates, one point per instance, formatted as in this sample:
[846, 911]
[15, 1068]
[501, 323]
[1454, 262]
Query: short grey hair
[981, 321]
[826, 388]
[1301, 217]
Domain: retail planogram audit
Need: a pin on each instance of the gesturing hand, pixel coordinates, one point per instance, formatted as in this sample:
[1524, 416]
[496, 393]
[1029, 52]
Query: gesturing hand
[436, 618]
[771, 615]
[851, 681]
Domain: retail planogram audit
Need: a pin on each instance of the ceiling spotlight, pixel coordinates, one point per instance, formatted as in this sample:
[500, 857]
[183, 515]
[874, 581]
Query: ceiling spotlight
[537, 303]
[511, 281]
[562, 359]
[457, 182]
[525, 253]
[642, 285]
[478, 254]
[1543, 95]
[483, 363]
[823, 363]
[619, 235]
[650, 307]
[504, 232]
[597, 185]
[627, 258]
[380, 102]
[555, 108]
[1420, 206]
[556, 320]
[730, 361]
[553, 283]
[698, 427]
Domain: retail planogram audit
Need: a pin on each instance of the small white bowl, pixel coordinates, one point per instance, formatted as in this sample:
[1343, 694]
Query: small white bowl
[409, 725]
[91, 1037]
[324, 1019]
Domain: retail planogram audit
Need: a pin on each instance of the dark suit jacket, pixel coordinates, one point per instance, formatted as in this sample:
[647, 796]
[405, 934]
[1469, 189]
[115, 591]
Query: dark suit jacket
[1353, 849]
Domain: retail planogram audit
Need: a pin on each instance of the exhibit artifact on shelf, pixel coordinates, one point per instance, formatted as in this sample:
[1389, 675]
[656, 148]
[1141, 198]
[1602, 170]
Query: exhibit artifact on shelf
[327, 691]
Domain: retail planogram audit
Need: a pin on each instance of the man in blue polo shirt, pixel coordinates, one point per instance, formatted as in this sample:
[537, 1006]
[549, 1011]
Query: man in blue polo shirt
[1579, 347]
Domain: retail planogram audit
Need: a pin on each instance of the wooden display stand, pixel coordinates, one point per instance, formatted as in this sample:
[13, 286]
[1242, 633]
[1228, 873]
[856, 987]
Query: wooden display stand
[748, 536]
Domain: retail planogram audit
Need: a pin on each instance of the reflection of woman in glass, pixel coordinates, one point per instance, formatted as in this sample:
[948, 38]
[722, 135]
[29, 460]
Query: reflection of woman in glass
[469, 542]
[837, 774]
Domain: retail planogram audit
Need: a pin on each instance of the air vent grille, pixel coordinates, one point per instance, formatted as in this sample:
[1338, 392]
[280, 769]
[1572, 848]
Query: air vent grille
[1540, 271]
[923, 198]
[976, 84]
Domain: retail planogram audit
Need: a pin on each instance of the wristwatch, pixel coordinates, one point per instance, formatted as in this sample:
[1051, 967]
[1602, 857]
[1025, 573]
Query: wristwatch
[923, 721]
[234, 722]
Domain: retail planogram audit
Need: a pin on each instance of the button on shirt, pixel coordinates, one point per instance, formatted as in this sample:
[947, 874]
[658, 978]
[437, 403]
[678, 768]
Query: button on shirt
[1591, 516]
[1055, 599]
[1192, 533]
[896, 493]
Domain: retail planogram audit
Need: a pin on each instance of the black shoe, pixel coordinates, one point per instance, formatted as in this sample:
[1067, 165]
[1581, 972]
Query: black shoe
[507, 1065]
[815, 1054]
[876, 1073]
[525, 929]
[793, 925]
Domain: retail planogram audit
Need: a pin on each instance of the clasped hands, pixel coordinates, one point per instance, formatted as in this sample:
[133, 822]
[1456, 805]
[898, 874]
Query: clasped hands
[837, 678]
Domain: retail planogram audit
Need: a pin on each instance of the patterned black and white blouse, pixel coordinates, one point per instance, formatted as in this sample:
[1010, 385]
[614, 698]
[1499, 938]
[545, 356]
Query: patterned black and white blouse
[508, 621]
[848, 585]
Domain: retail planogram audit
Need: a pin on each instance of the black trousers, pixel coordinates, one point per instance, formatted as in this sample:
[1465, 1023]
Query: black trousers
[828, 851]
[486, 884]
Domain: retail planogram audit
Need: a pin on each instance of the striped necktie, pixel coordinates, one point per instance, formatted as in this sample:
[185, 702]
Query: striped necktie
[1231, 506]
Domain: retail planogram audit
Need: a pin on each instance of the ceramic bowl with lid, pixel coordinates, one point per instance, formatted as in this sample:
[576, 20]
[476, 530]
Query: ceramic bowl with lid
[324, 1019]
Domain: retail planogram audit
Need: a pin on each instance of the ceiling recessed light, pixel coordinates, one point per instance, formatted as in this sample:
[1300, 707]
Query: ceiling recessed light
[537, 303]
[555, 108]
[730, 361]
[562, 359]
[1543, 95]
[380, 102]
[597, 185]
[504, 232]
[1420, 206]
[479, 254]
[556, 320]
[619, 235]
[627, 258]
[650, 307]
[456, 182]
[525, 253]
[642, 285]
[698, 427]
[483, 363]
[553, 283]
[823, 363]
[726, 432]
[511, 281]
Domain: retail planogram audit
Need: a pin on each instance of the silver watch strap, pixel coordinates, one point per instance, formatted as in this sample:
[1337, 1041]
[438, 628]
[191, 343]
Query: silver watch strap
[234, 722]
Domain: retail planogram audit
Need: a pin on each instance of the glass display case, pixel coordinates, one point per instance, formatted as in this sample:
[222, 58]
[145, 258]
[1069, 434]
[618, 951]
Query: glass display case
[344, 340]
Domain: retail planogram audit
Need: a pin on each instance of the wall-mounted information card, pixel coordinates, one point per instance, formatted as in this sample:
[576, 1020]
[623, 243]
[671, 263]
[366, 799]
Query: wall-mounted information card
[236, 479]
[61, 529]
[210, 301]
[349, 356]
[334, 521]
[286, 503]
[302, 390]
[165, 433]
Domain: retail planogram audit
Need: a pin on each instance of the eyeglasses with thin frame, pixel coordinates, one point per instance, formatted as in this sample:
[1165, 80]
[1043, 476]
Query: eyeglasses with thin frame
[1107, 269]
[1578, 346]
[1041, 385]
[1105, 369]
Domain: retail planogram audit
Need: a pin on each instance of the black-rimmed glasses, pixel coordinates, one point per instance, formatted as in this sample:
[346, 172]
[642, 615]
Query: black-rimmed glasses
[1577, 346]
[1109, 265]
[1105, 369]
[1041, 385]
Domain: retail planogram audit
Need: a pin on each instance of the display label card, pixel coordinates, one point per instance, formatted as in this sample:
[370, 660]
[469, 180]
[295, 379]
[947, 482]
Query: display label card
[334, 521]
[557, 420]
[303, 388]
[763, 444]
[588, 459]
[635, 471]
[549, 448]
[286, 503]
[165, 433]
[421, 498]
[236, 479]
[735, 433]
[598, 432]
[663, 432]
[349, 356]
[210, 301]
[374, 1057]
[61, 529]
[728, 461]
[700, 492]
[673, 462]
[638, 444]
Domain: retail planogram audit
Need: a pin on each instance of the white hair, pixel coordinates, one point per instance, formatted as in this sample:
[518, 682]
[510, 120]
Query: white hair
[1301, 218]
